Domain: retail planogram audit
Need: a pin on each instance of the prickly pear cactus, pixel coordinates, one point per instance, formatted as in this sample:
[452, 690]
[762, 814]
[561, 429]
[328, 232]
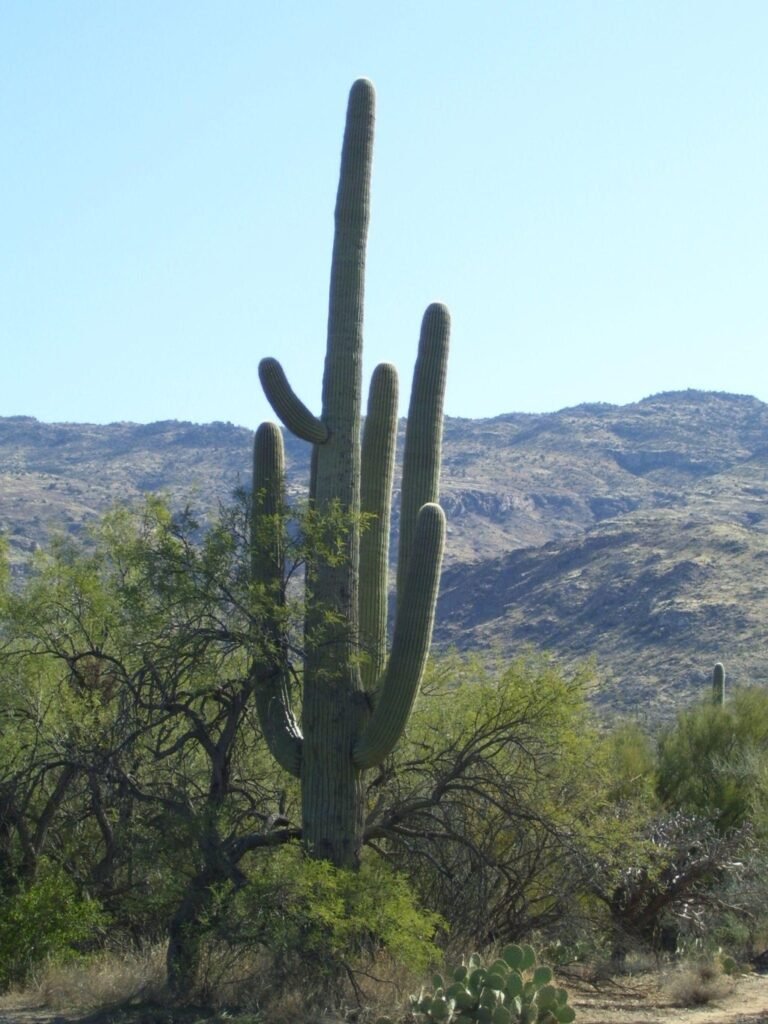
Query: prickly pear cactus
[511, 990]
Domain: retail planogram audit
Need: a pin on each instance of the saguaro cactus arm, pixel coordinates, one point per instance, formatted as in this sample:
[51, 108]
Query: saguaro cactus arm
[377, 473]
[270, 666]
[410, 643]
[424, 431]
[287, 406]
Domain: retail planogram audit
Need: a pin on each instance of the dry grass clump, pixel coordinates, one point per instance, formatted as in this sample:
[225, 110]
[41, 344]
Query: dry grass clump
[698, 985]
[251, 983]
[105, 979]
[246, 985]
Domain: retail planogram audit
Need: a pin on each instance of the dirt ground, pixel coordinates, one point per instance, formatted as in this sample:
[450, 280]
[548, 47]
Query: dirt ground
[650, 999]
[655, 999]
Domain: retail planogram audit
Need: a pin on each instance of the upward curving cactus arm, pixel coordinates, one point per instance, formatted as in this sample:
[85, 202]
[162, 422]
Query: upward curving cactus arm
[377, 472]
[410, 643]
[267, 556]
[424, 431]
[290, 410]
[269, 667]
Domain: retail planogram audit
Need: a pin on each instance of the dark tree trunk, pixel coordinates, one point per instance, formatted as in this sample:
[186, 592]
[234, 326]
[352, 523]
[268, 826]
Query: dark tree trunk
[185, 934]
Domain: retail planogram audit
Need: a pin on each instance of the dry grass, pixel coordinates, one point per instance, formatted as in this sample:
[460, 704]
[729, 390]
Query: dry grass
[129, 984]
[697, 985]
[251, 984]
[126, 987]
[107, 979]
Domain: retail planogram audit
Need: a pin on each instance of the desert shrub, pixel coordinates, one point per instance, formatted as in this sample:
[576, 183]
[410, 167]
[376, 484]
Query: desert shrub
[698, 984]
[326, 921]
[493, 804]
[670, 894]
[630, 757]
[46, 919]
[714, 761]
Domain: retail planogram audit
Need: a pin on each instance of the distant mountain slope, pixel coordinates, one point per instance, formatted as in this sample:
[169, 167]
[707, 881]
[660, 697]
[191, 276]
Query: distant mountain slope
[519, 481]
[636, 534]
[646, 545]
[655, 597]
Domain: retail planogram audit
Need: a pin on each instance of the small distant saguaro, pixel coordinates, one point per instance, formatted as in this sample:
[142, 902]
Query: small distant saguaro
[718, 685]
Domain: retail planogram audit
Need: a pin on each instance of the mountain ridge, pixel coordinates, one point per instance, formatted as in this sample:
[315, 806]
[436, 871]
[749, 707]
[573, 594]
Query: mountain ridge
[633, 534]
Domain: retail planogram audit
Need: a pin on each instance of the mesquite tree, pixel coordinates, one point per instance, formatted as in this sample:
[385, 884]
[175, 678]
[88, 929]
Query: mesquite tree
[356, 698]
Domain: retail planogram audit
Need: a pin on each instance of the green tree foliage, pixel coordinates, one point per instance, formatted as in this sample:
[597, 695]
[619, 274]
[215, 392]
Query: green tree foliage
[42, 920]
[136, 757]
[631, 762]
[714, 761]
[697, 804]
[493, 805]
[132, 762]
[133, 757]
[319, 921]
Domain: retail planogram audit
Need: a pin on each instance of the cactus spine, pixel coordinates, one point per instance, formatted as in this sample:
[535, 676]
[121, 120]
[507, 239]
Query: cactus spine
[356, 700]
[718, 685]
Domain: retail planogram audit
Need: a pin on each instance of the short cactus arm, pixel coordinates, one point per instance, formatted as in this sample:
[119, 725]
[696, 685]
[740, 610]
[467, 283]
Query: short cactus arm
[269, 669]
[410, 643]
[290, 410]
[424, 431]
[377, 471]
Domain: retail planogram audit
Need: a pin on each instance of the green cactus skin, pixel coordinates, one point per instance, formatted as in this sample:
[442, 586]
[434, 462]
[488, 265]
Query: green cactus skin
[290, 409]
[356, 701]
[378, 470]
[424, 430]
[410, 642]
[281, 730]
[718, 685]
[512, 990]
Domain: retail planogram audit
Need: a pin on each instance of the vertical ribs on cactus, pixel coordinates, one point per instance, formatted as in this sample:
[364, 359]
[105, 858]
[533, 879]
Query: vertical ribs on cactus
[718, 685]
[357, 695]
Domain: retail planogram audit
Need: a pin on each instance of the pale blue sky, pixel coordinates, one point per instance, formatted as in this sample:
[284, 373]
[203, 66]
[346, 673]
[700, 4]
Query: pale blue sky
[585, 184]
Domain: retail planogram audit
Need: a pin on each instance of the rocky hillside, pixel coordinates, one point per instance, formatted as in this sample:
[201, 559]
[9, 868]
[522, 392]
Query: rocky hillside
[635, 535]
[643, 545]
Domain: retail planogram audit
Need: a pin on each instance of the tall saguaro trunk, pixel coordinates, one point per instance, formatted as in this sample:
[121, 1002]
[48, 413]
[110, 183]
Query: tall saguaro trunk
[356, 698]
[333, 707]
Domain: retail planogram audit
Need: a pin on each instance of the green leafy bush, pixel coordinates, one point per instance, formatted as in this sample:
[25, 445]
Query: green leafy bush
[511, 989]
[324, 918]
[492, 803]
[714, 761]
[41, 921]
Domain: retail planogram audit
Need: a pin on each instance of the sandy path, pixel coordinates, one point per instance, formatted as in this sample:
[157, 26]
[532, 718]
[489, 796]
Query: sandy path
[633, 1004]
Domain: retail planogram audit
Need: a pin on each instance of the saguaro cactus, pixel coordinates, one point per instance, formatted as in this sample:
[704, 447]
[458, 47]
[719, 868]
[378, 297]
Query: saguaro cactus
[718, 685]
[356, 698]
